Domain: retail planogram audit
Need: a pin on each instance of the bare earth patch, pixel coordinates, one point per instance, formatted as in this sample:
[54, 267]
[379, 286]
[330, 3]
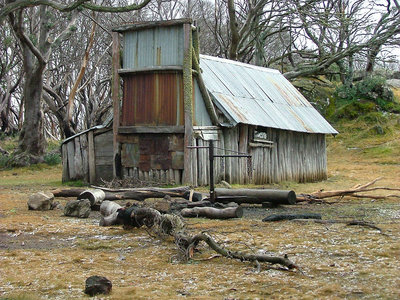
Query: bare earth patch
[44, 255]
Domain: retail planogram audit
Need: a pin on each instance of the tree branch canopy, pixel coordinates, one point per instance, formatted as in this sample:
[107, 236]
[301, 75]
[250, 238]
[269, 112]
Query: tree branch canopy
[18, 4]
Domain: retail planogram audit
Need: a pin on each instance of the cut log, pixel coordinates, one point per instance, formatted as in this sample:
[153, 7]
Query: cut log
[213, 213]
[280, 217]
[109, 213]
[95, 196]
[139, 194]
[108, 208]
[255, 196]
[203, 203]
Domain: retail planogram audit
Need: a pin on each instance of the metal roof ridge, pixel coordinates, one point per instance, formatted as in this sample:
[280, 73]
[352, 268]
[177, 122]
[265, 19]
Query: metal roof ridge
[238, 63]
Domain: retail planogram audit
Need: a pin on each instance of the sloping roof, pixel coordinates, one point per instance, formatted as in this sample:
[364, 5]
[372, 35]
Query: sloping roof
[259, 96]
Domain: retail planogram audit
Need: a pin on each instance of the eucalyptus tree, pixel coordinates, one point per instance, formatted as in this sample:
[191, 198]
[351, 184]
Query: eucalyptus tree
[336, 32]
[39, 30]
[10, 79]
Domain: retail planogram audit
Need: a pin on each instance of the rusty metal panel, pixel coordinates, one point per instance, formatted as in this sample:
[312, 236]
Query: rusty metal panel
[176, 143]
[146, 144]
[259, 96]
[161, 46]
[144, 162]
[153, 99]
[161, 161]
[130, 155]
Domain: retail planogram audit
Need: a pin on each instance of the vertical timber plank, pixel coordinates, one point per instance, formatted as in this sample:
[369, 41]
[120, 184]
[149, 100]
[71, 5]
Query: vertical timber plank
[71, 164]
[91, 158]
[84, 148]
[188, 103]
[65, 173]
[115, 94]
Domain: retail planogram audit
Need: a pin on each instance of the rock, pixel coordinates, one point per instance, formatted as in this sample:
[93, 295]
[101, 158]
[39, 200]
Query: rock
[40, 201]
[95, 285]
[77, 208]
[56, 205]
[226, 184]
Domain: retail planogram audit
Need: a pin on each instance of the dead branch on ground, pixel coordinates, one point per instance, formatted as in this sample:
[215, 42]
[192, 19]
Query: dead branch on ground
[356, 192]
[174, 226]
[348, 223]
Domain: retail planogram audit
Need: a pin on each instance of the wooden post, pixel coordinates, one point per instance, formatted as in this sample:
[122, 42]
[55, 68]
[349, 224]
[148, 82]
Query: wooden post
[91, 158]
[115, 90]
[211, 158]
[188, 103]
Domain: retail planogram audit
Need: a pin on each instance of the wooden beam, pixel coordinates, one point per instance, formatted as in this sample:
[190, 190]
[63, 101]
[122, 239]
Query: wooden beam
[148, 25]
[187, 177]
[151, 69]
[150, 129]
[115, 90]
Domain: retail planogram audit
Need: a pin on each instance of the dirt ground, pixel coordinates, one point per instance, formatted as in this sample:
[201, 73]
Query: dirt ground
[44, 255]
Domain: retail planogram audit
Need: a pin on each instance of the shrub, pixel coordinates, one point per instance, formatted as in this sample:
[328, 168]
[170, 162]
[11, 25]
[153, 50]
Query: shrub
[3, 161]
[366, 96]
[52, 158]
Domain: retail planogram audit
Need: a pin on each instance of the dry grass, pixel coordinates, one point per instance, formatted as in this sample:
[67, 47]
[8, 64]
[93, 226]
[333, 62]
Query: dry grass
[45, 255]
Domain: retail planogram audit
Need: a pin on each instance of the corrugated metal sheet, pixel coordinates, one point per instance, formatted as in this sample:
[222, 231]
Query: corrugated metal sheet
[259, 96]
[153, 47]
[201, 117]
[152, 99]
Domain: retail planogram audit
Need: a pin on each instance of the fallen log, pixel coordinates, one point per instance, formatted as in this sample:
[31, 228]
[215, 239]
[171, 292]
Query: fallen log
[255, 196]
[139, 194]
[95, 196]
[109, 213]
[213, 213]
[280, 217]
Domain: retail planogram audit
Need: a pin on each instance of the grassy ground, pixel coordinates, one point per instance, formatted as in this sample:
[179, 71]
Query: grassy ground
[44, 255]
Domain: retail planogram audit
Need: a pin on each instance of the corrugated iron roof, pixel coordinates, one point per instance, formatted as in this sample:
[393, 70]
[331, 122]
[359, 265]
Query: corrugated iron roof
[259, 96]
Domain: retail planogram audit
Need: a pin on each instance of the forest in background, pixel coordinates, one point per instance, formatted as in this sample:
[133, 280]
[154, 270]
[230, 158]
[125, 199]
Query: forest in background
[55, 69]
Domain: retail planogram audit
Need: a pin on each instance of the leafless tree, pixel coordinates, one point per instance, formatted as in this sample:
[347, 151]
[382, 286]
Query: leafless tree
[39, 33]
[10, 79]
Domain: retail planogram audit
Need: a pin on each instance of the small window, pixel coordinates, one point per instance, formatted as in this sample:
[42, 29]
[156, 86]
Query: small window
[261, 139]
[260, 135]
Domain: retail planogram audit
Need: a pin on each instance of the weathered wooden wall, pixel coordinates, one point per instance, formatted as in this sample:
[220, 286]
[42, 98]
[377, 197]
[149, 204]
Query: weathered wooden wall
[291, 156]
[88, 157]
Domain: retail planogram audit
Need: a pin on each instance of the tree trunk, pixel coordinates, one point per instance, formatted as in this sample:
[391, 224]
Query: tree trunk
[255, 196]
[233, 26]
[139, 194]
[213, 213]
[31, 139]
[109, 213]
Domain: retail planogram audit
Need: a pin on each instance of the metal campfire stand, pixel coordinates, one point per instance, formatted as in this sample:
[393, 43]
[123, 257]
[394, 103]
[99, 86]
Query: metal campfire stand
[211, 157]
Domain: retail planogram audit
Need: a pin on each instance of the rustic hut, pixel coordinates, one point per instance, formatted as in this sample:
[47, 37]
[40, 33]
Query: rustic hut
[173, 98]
[88, 155]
